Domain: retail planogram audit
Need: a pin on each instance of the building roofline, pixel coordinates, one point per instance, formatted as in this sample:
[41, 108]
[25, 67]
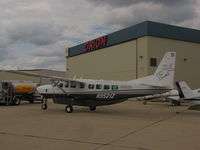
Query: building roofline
[146, 28]
[39, 70]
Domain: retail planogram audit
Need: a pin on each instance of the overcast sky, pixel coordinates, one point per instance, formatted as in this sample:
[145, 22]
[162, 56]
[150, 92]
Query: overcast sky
[35, 33]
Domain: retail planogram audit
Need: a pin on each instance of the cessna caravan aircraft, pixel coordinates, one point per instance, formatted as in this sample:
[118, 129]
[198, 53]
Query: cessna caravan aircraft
[185, 92]
[93, 93]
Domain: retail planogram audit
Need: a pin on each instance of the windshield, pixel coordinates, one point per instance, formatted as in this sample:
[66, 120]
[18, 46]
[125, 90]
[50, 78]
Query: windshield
[55, 83]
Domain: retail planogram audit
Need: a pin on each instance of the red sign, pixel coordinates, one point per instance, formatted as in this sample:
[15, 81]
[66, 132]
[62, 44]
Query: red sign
[96, 44]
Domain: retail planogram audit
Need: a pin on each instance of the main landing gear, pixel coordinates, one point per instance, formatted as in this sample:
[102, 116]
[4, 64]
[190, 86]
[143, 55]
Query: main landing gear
[92, 108]
[69, 108]
[175, 103]
[44, 104]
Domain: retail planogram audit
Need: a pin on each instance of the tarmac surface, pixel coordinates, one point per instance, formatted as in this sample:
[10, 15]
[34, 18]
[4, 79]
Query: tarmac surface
[125, 126]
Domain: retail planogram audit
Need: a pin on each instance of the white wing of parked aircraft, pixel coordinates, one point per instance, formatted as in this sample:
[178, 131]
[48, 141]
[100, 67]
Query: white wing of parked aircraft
[92, 93]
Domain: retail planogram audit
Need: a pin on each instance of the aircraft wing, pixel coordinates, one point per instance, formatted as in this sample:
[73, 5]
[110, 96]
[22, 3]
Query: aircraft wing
[52, 78]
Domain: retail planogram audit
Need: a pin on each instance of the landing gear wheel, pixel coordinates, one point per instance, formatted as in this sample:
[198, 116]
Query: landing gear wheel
[69, 109]
[144, 102]
[92, 108]
[175, 103]
[178, 103]
[16, 101]
[44, 106]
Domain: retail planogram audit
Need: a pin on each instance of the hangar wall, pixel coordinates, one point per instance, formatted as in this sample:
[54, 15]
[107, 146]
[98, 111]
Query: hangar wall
[131, 60]
[112, 63]
[132, 52]
[187, 58]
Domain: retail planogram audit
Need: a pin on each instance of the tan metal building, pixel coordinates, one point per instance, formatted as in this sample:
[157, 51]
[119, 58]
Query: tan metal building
[13, 76]
[135, 52]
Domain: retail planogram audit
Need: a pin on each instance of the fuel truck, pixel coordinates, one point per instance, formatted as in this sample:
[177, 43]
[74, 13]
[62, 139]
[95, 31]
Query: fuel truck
[13, 92]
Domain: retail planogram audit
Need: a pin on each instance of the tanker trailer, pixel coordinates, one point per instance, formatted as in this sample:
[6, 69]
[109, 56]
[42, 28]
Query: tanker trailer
[12, 92]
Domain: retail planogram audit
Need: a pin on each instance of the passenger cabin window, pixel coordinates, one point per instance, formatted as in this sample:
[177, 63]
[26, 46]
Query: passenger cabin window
[98, 86]
[106, 87]
[60, 85]
[66, 84]
[91, 86]
[73, 85]
[82, 85]
[114, 87]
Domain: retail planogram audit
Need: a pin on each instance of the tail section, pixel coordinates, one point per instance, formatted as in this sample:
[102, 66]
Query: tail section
[164, 74]
[166, 69]
[184, 90]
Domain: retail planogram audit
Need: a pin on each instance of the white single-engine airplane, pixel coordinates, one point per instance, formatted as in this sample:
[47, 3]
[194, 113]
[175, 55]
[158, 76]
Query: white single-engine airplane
[187, 94]
[92, 93]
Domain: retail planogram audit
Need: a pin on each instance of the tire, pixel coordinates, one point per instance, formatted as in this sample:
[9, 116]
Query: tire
[92, 108]
[144, 102]
[44, 106]
[16, 101]
[178, 103]
[69, 109]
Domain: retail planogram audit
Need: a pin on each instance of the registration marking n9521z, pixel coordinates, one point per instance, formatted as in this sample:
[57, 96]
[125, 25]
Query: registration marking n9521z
[106, 96]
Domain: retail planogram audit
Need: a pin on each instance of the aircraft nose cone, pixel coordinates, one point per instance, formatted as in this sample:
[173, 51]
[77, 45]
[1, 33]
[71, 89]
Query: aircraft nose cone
[43, 89]
[40, 89]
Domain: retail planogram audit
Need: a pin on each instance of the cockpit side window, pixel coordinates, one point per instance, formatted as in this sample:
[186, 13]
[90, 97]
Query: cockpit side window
[60, 85]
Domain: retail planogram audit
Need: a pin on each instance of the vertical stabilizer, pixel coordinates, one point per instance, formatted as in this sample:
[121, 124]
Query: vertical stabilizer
[184, 90]
[164, 74]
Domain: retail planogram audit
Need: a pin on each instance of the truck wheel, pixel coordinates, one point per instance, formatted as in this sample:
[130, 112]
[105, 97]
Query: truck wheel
[16, 101]
[44, 106]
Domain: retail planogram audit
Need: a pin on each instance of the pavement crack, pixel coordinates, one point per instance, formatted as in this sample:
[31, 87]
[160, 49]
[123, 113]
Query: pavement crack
[139, 130]
[50, 138]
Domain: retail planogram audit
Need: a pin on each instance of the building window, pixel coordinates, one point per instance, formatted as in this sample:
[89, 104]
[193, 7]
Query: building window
[73, 85]
[91, 86]
[106, 87]
[114, 87]
[153, 62]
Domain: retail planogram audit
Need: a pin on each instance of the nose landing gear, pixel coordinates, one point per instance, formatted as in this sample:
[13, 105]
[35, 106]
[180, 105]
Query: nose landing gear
[44, 104]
